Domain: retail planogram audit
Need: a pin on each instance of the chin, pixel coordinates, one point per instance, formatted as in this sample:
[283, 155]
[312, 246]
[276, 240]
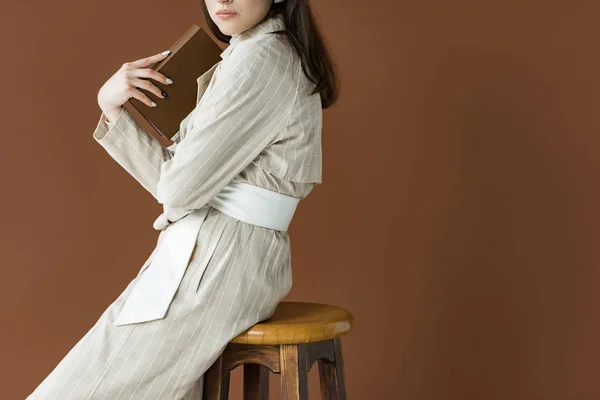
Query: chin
[226, 30]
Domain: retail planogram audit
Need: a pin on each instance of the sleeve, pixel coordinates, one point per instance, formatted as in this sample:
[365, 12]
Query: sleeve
[134, 149]
[245, 112]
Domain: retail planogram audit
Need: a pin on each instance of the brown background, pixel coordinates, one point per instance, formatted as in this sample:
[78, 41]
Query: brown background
[458, 219]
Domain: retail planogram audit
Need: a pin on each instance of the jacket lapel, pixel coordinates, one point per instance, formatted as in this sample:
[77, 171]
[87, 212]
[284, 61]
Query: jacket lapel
[203, 81]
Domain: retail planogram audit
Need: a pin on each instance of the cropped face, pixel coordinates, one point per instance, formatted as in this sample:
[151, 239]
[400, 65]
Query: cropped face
[244, 14]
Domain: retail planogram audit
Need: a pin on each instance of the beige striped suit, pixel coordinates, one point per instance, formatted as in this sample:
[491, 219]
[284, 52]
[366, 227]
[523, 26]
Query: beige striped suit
[255, 123]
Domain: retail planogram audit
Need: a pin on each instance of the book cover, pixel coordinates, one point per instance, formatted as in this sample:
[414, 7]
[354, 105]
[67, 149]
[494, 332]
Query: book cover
[192, 55]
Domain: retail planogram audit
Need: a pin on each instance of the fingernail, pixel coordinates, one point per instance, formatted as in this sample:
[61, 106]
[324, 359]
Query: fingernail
[169, 81]
[163, 93]
[153, 104]
[166, 52]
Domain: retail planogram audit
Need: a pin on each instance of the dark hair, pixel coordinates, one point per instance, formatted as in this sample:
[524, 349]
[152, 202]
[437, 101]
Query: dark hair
[304, 35]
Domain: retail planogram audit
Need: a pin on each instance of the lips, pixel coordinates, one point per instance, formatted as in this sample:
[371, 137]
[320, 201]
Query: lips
[226, 12]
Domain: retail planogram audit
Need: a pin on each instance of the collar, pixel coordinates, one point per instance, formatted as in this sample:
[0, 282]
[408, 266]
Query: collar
[271, 24]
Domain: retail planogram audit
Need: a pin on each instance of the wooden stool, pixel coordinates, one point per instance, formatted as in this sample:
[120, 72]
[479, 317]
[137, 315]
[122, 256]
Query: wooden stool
[288, 343]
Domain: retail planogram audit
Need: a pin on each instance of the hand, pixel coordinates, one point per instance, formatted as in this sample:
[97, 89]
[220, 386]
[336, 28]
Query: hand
[128, 81]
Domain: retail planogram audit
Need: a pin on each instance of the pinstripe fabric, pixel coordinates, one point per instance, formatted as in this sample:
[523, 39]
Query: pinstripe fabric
[255, 123]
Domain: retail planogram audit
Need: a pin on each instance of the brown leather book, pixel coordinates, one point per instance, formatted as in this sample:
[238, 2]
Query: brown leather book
[192, 55]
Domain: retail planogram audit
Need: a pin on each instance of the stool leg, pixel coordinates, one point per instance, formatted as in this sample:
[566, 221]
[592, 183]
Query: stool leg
[225, 385]
[331, 374]
[216, 382]
[256, 382]
[294, 382]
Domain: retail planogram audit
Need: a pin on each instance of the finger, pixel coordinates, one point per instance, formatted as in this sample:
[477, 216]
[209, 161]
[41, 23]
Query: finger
[152, 74]
[147, 61]
[141, 97]
[149, 86]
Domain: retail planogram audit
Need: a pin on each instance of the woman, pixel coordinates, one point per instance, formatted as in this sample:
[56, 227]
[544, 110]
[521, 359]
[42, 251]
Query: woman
[241, 161]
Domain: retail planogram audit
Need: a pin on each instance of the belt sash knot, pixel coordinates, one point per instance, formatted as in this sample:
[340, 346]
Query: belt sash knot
[157, 284]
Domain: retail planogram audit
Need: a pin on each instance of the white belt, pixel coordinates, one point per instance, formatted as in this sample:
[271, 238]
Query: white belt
[156, 286]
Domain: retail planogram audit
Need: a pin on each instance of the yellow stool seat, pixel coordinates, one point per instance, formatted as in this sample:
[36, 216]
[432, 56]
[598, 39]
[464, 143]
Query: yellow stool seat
[299, 322]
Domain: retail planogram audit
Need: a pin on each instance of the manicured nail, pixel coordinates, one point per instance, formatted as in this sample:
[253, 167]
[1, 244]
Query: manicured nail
[166, 52]
[153, 104]
[163, 93]
[169, 81]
